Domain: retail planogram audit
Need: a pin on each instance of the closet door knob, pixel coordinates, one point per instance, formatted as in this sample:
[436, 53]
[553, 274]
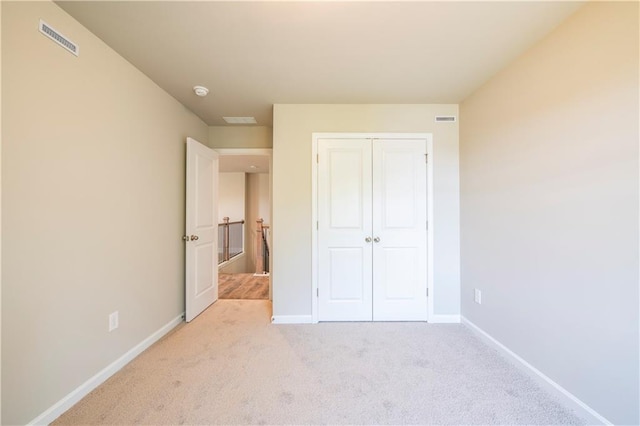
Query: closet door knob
[368, 239]
[376, 239]
[194, 237]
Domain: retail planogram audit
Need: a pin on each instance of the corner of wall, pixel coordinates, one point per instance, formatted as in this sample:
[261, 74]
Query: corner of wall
[1, 127]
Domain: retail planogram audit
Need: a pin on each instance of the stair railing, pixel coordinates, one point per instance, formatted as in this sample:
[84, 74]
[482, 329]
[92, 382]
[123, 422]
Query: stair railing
[229, 239]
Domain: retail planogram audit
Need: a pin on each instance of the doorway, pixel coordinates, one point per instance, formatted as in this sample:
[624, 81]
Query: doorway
[244, 214]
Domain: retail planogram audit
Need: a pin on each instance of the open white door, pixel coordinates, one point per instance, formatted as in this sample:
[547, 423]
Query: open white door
[201, 233]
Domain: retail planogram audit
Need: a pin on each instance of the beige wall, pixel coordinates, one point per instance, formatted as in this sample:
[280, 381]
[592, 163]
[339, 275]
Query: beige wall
[231, 196]
[232, 204]
[264, 197]
[240, 137]
[291, 238]
[93, 167]
[237, 265]
[549, 201]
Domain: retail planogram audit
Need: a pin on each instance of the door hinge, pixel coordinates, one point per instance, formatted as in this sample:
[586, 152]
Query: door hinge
[427, 292]
[317, 158]
[317, 225]
[426, 158]
[317, 292]
[427, 225]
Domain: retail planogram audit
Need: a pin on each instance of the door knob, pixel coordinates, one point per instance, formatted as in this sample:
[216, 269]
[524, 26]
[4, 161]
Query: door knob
[368, 239]
[376, 239]
[194, 237]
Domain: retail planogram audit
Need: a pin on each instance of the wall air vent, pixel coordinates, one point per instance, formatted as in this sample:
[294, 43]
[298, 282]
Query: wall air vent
[54, 35]
[445, 118]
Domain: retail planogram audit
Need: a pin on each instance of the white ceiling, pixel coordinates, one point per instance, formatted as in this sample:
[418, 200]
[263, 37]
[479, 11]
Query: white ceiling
[243, 163]
[252, 55]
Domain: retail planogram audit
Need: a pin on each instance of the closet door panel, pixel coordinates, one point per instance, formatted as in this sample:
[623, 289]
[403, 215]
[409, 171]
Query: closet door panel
[344, 224]
[399, 230]
[399, 265]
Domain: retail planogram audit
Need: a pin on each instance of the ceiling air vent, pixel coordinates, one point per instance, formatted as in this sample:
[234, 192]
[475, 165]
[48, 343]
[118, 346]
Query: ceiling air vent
[445, 118]
[240, 120]
[54, 35]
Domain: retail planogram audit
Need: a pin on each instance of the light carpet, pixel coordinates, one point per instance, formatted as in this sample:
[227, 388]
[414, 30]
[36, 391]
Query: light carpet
[231, 366]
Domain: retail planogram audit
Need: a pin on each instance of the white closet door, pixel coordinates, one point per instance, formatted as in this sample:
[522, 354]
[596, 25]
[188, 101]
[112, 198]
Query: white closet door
[399, 230]
[344, 225]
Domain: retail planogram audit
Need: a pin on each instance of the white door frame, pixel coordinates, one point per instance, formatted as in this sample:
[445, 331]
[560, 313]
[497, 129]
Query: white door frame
[267, 152]
[314, 208]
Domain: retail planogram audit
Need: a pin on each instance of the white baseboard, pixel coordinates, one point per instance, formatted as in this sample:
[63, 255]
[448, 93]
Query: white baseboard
[83, 390]
[569, 400]
[292, 319]
[308, 319]
[444, 319]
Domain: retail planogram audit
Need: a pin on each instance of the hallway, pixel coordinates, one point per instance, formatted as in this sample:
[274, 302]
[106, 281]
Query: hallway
[243, 286]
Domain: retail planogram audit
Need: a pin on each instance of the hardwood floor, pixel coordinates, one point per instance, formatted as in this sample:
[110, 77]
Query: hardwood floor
[242, 286]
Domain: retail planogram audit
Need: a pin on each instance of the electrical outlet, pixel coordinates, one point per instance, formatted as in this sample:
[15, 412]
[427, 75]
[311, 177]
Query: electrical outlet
[113, 321]
[477, 296]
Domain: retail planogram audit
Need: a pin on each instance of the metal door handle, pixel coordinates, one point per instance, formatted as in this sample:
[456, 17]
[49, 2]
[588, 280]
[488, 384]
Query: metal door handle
[368, 239]
[194, 237]
[376, 239]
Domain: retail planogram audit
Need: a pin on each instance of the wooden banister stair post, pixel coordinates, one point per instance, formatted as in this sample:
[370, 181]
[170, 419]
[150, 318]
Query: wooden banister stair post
[262, 250]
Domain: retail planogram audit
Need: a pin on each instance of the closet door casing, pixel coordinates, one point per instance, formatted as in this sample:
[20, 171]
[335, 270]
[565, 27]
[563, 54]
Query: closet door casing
[372, 230]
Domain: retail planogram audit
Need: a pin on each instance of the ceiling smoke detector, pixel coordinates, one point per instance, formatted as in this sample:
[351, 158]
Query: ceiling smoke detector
[200, 90]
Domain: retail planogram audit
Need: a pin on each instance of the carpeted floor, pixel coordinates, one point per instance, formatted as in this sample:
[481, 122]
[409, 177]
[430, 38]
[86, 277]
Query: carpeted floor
[231, 366]
[243, 286]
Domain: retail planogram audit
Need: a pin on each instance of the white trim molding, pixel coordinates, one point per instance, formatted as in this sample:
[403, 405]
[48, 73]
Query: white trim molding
[566, 397]
[292, 319]
[57, 409]
[444, 319]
